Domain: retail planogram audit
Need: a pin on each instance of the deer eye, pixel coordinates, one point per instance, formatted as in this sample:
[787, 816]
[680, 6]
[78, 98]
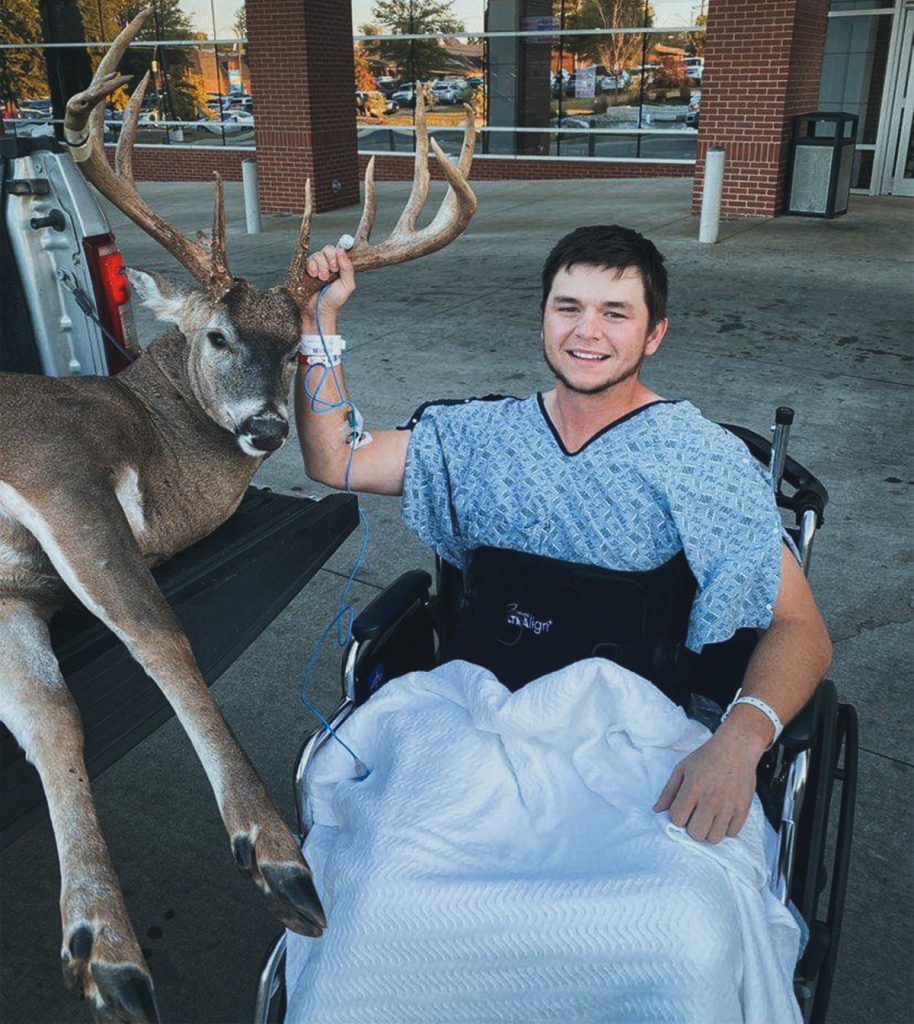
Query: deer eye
[217, 339]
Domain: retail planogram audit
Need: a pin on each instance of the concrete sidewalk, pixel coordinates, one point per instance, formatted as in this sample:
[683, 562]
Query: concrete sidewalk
[807, 313]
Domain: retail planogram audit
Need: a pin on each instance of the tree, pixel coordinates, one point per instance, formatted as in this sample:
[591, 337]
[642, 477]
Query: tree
[22, 72]
[415, 58]
[240, 23]
[364, 79]
[617, 51]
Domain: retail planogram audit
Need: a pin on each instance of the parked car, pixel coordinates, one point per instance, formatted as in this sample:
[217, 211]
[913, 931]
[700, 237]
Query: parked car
[617, 82]
[229, 124]
[449, 91]
[405, 97]
[570, 122]
[30, 123]
[694, 111]
[387, 84]
[374, 103]
[694, 67]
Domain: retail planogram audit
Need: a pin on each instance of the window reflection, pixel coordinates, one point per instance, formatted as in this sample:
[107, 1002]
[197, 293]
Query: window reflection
[578, 86]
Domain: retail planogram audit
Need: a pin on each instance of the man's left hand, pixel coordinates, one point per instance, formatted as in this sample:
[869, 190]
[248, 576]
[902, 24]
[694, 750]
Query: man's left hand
[710, 791]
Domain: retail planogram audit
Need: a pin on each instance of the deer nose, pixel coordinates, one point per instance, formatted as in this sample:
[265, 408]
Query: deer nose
[266, 433]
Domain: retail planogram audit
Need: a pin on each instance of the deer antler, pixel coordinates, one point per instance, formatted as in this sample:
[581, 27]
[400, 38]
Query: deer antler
[84, 131]
[405, 241]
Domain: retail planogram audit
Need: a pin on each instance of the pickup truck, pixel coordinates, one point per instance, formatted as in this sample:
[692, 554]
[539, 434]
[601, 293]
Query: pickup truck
[61, 284]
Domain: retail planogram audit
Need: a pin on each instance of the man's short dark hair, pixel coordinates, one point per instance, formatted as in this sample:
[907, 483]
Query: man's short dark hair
[611, 247]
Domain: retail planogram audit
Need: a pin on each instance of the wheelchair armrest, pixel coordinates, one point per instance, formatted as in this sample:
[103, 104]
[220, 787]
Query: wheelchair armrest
[800, 733]
[390, 604]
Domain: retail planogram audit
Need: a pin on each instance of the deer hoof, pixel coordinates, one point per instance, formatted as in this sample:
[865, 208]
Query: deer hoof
[290, 892]
[124, 993]
[118, 992]
[293, 899]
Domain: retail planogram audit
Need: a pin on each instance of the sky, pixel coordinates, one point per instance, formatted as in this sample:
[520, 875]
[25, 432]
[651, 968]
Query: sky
[470, 12]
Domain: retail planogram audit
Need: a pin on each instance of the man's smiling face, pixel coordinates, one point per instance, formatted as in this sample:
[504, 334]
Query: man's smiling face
[596, 327]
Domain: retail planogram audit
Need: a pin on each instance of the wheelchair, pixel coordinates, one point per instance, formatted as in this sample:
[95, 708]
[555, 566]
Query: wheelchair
[405, 628]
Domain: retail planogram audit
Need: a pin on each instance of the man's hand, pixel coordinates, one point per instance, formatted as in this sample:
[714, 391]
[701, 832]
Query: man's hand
[710, 791]
[330, 260]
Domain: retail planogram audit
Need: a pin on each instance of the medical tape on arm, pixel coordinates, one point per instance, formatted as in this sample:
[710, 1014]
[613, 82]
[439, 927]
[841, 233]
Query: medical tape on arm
[317, 350]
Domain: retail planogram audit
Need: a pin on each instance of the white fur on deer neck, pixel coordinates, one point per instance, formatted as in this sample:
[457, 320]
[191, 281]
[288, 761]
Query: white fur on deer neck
[130, 498]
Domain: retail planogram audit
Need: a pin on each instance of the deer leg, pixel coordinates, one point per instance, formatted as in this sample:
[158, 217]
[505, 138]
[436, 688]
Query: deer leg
[89, 542]
[99, 950]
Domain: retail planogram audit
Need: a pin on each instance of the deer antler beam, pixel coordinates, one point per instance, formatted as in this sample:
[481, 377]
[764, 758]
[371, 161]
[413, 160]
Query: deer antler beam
[84, 131]
[405, 242]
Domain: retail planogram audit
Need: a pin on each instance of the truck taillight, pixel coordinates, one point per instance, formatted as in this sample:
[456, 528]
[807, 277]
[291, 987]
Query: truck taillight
[112, 297]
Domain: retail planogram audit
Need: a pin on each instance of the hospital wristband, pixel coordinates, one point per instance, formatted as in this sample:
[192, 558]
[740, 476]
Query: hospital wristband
[760, 705]
[314, 350]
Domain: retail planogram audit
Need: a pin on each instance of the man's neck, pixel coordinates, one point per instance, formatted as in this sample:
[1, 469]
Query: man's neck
[577, 417]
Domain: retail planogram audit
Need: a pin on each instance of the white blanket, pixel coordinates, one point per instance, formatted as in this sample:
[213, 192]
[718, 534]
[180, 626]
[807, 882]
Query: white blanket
[501, 862]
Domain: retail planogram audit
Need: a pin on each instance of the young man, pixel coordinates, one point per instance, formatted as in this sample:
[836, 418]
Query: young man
[602, 470]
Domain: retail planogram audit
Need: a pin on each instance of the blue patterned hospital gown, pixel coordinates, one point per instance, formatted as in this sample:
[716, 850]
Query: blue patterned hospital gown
[654, 482]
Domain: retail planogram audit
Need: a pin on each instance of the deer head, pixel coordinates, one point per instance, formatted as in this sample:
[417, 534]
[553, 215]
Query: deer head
[239, 342]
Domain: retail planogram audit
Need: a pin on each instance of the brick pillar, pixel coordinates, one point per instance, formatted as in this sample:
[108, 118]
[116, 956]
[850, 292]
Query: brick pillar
[303, 84]
[762, 67]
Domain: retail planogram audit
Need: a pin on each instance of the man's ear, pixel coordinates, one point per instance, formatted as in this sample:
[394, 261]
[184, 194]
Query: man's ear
[163, 296]
[655, 337]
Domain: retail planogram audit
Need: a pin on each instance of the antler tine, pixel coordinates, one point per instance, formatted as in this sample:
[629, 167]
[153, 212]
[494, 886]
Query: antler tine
[298, 283]
[406, 225]
[370, 207]
[218, 259]
[453, 215]
[123, 155]
[87, 149]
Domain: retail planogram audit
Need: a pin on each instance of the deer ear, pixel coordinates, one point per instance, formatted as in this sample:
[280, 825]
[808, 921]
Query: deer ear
[163, 296]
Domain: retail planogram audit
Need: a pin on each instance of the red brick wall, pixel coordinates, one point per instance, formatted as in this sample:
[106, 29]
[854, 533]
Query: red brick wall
[184, 163]
[762, 66]
[303, 83]
[400, 168]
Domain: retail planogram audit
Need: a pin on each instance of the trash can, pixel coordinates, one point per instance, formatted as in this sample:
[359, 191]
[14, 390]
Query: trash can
[821, 160]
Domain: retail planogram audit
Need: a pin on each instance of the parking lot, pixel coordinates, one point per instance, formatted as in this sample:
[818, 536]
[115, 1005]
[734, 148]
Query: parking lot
[809, 313]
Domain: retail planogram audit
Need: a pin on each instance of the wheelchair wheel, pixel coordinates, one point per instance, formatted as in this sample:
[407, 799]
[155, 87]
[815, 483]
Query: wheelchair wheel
[833, 759]
[271, 989]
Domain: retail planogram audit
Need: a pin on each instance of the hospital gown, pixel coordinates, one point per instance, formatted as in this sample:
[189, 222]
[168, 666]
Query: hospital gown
[663, 478]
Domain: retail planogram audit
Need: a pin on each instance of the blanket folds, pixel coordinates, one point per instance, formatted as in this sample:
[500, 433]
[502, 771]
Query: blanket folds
[501, 862]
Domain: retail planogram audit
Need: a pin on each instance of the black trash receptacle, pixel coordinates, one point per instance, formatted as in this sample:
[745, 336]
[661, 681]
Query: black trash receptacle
[821, 160]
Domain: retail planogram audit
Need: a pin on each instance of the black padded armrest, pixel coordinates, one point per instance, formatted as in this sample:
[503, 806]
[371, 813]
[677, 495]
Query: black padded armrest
[390, 604]
[800, 733]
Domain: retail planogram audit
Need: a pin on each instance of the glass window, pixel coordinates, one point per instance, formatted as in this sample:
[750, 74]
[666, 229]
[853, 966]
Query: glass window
[854, 68]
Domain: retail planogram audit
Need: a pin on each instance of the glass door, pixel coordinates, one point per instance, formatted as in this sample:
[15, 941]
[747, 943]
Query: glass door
[900, 166]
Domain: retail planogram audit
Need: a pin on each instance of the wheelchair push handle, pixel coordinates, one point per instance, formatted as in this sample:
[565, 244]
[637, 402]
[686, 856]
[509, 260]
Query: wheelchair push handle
[809, 494]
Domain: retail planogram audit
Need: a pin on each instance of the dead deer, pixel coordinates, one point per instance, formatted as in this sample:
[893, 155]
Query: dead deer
[101, 478]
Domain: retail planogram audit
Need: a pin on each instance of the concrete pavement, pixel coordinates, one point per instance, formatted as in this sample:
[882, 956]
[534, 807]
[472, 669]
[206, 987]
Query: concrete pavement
[808, 313]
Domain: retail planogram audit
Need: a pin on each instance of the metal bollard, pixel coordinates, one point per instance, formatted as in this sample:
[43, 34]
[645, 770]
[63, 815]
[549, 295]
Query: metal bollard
[711, 195]
[251, 195]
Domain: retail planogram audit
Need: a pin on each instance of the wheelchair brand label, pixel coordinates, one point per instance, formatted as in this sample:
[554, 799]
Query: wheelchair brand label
[527, 620]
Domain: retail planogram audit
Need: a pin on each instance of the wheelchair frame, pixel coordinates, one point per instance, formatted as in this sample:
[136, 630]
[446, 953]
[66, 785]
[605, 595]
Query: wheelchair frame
[816, 749]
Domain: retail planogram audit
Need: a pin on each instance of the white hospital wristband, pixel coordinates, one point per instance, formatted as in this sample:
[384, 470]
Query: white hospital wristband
[326, 351]
[766, 709]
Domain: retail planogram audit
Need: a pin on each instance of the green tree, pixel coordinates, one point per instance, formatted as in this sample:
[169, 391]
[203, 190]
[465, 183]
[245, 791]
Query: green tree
[414, 58]
[240, 22]
[22, 72]
[616, 50]
[177, 66]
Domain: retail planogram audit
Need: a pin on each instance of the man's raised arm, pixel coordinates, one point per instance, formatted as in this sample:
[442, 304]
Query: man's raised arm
[323, 413]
